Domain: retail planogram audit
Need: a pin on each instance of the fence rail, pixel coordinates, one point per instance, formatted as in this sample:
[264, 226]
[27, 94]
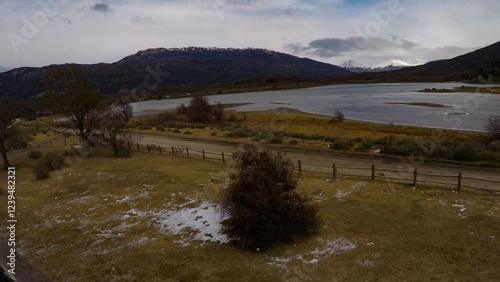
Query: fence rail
[458, 181]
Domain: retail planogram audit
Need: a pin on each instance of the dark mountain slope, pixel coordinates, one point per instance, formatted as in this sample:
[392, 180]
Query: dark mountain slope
[153, 68]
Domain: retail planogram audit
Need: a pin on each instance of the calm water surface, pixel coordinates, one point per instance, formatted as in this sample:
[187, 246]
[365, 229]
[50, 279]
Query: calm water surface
[382, 103]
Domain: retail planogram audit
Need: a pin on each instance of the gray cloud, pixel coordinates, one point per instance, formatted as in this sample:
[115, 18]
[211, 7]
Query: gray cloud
[373, 51]
[102, 8]
[336, 47]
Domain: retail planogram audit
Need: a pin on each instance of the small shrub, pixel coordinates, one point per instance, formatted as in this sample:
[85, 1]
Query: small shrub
[160, 128]
[341, 143]
[277, 138]
[339, 116]
[213, 133]
[144, 127]
[41, 171]
[188, 132]
[71, 152]
[54, 161]
[176, 131]
[366, 144]
[239, 133]
[293, 142]
[465, 152]
[35, 154]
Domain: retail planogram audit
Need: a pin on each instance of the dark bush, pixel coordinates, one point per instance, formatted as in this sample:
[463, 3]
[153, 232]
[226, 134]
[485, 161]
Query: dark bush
[144, 127]
[293, 142]
[239, 133]
[276, 138]
[466, 152]
[54, 161]
[160, 128]
[41, 171]
[366, 144]
[35, 154]
[262, 203]
[340, 143]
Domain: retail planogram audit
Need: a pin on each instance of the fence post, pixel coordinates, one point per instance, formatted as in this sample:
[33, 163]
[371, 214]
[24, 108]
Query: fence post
[138, 149]
[334, 171]
[187, 151]
[147, 146]
[300, 167]
[373, 172]
[203, 152]
[172, 147]
[459, 186]
[223, 161]
[415, 173]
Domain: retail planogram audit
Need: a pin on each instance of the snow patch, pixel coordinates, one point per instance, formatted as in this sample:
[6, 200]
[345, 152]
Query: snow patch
[341, 194]
[200, 223]
[333, 247]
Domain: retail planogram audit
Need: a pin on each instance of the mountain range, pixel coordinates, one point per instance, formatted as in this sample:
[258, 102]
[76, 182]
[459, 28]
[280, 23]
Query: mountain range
[155, 68]
[161, 68]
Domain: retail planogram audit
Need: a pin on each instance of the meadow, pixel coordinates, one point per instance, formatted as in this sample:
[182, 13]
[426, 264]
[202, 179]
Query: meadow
[155, 218]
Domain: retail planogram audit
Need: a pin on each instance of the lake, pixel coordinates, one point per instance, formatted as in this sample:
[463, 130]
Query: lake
[397, 103]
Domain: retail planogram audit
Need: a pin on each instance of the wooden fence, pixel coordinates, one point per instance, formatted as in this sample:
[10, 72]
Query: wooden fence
[69, 141]
[414, 177]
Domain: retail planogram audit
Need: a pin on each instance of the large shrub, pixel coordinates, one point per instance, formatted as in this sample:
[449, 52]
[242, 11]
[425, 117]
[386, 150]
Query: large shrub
[262, 203]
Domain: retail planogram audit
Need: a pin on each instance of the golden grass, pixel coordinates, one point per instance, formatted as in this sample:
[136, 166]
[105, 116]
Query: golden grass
[97, 220]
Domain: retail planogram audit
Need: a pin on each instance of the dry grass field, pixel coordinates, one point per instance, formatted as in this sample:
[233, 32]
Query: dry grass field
[155, 218]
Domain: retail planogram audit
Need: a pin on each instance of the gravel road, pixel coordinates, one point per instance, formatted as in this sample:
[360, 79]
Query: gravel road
[346, 165]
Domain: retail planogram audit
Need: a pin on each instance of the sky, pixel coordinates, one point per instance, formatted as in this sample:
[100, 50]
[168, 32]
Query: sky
[369, 32]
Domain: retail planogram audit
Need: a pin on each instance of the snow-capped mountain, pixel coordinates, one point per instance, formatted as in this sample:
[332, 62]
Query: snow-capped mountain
[395, 64]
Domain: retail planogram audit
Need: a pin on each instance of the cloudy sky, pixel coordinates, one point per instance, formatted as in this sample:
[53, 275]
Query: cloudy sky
[369, 32]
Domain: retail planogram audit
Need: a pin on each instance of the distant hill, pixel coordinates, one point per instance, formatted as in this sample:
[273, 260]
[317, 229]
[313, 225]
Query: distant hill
[479, 66]
[154, 68]
[463, 67]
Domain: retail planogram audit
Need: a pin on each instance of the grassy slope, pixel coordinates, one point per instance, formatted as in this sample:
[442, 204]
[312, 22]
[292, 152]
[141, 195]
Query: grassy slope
[96, 220]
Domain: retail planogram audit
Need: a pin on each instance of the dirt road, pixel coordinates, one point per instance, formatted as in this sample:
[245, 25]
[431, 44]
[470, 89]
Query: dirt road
[323, 161]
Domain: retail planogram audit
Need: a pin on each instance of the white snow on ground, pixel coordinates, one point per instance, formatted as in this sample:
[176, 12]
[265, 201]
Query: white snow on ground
[462, 209]
[341, 194]
[333, 247]
[199, 223]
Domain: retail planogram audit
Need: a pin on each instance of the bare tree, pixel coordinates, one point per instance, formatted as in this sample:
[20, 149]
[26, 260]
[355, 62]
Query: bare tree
[7, 128]
[339, 115]
[113, 125]
[125, 109]
[75, 98]
[492, 126]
